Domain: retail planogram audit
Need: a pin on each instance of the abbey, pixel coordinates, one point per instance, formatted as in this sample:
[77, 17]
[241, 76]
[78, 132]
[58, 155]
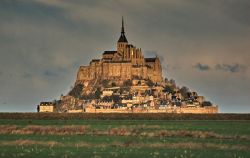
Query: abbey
[126, 62]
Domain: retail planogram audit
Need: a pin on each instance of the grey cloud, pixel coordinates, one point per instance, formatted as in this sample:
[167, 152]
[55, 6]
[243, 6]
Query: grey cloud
[233, 68]
[49, 73]
[202, 67]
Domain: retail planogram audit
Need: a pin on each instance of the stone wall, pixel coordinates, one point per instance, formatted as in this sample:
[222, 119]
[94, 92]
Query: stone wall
[121, 69]
[197, 110]
[83, 73]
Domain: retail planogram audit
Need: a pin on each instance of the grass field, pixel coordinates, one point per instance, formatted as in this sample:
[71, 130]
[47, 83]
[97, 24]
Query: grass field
[124, 138]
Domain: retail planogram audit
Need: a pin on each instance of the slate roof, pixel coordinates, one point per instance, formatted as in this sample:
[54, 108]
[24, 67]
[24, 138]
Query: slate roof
[95, 60]
[109, 52]
[150, 59]
[123, 38]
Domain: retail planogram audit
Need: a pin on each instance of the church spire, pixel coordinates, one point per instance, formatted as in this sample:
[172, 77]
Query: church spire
[123, 32]
[123, 37]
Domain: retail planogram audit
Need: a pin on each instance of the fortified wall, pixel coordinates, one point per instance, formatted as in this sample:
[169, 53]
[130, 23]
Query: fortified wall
[178, 110]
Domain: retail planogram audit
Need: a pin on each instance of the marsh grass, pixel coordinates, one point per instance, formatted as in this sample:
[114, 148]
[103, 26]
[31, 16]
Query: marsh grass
[124, 139]
[119, 131]
[44, 130]
[126, 144]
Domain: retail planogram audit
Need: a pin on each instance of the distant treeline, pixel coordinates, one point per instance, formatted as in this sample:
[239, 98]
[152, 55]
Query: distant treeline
[123, 116]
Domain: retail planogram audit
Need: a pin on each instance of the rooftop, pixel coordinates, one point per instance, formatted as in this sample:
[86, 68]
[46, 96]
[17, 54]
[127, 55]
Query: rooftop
[109, 52]
[150, 59]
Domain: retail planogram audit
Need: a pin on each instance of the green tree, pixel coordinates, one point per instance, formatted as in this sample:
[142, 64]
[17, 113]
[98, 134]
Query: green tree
[98, 93]
[105, 83]
[207, 103]
[113, 84]
[76, 91]
[172, 82]
[150, 83]
[184, 92]
[116, 98]
[169, 89]
[166, 80]
[127, 83]
[88, 97]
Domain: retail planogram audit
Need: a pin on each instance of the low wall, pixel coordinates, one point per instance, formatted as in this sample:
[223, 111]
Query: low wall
[196, 110]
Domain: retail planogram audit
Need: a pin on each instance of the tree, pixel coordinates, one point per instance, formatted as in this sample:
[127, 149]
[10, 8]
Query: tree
[150, 83]
[127, 83]
[76, 91]
[172, 82]
[116, 98]
[184, 92]
[207, 103]
[113, 84]
[105, 83]
[90, 96]
[166, 80]
[38, 108]
[169, 89]
[98, 93]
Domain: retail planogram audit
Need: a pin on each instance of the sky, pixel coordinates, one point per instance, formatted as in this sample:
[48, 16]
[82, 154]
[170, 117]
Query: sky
[204, 45]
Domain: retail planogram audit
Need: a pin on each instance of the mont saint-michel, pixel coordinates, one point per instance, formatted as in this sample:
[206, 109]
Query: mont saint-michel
[125, 81]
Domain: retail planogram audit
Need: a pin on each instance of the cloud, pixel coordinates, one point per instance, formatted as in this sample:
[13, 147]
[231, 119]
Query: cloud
[49, 73]
[202, 67]
[233, 68]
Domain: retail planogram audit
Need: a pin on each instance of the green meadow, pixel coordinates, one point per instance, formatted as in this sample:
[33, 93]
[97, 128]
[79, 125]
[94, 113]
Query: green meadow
[125, 138]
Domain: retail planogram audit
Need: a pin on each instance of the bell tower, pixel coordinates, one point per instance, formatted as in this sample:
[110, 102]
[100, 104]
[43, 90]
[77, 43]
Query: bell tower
[122, 42]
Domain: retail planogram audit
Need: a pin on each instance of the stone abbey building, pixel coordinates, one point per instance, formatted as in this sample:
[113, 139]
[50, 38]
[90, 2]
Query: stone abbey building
[126, 62]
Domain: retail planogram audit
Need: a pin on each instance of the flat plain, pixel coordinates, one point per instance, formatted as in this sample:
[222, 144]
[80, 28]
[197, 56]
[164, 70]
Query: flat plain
[127, 135]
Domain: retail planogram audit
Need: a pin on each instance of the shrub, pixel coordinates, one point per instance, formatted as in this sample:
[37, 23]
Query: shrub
[169, 89]
[184, 92]
[105, 83]
[98, 93]
[207, 103]
[113, 84]
[76, 91]
[127, 83]
[150, 83]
